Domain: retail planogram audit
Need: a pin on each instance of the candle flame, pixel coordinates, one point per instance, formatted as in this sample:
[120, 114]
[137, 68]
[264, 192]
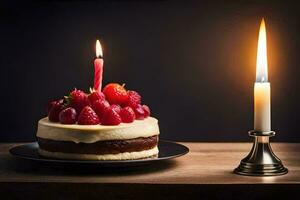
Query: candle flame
[262, 60]
[98, 49]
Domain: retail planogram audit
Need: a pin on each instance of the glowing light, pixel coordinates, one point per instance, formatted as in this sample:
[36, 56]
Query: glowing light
[98, 49]
[262, 60]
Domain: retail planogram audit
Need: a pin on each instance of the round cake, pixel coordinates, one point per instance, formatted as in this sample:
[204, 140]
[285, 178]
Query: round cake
[125, 141]
[112, 124]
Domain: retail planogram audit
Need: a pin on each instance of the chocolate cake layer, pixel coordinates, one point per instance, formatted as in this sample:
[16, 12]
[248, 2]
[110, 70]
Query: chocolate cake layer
[101, 147]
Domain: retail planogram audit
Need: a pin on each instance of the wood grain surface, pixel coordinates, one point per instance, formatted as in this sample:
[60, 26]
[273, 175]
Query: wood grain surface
[207, 169]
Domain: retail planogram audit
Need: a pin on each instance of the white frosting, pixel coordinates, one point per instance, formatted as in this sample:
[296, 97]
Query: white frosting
[93, 133]
[119, 156]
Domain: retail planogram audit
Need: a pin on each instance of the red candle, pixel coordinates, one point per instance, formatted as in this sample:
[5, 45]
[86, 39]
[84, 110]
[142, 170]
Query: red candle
[98, 64]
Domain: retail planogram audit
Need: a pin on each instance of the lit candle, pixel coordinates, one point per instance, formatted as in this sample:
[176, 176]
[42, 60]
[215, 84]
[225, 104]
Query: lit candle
[262, 89]
[98, 64]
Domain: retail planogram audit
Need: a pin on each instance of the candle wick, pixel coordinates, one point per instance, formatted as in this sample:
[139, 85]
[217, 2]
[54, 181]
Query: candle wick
[261, 79]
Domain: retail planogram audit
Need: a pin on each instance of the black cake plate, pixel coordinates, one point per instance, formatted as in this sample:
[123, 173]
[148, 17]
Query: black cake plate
[167, 150]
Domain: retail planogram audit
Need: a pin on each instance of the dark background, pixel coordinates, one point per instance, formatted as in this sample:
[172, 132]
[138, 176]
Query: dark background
[192, 61]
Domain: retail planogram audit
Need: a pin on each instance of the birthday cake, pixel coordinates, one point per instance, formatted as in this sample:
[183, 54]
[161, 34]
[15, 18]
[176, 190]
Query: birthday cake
[108, 125]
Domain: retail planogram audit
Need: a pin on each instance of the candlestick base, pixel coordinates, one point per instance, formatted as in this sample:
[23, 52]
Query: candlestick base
[261, 161]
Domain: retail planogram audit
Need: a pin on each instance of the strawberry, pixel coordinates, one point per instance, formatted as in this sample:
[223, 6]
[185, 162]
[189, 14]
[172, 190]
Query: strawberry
[115, 93]
[88, 117]
[146, 110]
[95, 95]
[55, 110]
[111, 117]
[127, 114]
[68, 116]
[139, 112]
[77, 100]
[100, 106]
[117, 108]
[133, 98]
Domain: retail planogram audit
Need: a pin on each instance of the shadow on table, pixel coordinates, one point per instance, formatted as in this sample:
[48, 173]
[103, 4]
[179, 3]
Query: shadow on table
[10, 163]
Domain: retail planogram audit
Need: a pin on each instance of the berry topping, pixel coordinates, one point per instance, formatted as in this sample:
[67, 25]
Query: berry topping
[78, 100]
[100, 106]
[117, 108]
[51, 104]
[127, 115]
[110, 107]
[88, 117]
[68, 116]
[95, 95]
[111, 117]
[139, 112]
[133, 98]
[55, 110]
[115, 93]
[146, 110]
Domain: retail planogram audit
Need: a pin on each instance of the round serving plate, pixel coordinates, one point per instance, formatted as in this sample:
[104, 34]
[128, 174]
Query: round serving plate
[167, 150]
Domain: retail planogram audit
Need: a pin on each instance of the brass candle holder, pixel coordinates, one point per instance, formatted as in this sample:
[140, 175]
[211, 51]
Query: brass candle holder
[261, 161]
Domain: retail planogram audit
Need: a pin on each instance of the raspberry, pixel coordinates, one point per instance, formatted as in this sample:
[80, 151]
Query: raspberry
[94, 96]
[88, 117]
[111, 117]
[127, 115]
[146, 110]
[133, 98]
[50, 105]
[77, 100]
[55, 110]
[139, 112]
[115, 94]
[100, 106]
[117, 108]
[68, 116]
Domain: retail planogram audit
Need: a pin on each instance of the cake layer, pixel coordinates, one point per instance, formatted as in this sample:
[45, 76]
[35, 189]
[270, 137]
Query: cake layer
[100, 147]
[120, 156]
[93, 133]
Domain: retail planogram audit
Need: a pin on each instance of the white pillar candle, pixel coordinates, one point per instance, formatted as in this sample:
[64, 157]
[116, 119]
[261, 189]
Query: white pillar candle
[262, 107]
[262, 89]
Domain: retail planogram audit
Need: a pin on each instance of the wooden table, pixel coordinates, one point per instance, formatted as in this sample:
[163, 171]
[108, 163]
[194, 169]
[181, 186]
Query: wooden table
[204, 173]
